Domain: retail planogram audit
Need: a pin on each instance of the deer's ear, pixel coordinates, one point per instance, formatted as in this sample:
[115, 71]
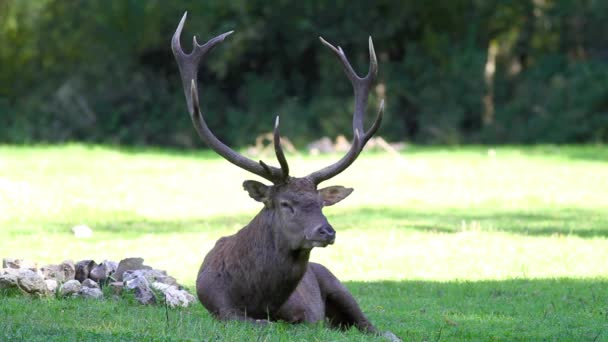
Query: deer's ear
[334, 194]
[256, 190]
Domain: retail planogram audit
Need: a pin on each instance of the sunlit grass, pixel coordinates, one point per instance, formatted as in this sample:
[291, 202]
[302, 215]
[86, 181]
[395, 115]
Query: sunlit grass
[462, 220]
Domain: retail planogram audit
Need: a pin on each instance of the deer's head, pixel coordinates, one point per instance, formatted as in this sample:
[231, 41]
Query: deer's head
[297, 208]
[295, 202]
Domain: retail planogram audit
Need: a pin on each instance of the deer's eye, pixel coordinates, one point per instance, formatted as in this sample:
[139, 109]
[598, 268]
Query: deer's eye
[287, 207]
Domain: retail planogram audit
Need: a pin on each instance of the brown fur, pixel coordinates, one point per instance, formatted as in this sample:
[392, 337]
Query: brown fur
[262, 272]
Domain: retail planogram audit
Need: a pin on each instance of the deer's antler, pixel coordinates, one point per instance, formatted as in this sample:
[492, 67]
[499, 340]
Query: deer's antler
[188, 67]
[361, 87]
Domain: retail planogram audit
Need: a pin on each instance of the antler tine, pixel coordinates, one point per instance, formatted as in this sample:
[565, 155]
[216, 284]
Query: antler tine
[361, 88]
[361, 85]
[188, 63]
[372, 130]
[278, 150]
[341, 165]
[188, 67]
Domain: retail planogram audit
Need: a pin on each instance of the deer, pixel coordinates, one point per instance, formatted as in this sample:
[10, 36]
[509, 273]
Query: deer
[262, 273]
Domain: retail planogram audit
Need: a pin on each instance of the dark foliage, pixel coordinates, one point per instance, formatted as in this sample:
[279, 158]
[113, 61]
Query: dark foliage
[451, 71]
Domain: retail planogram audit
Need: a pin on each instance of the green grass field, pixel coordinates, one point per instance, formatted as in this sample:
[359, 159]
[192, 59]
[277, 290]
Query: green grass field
[437, 244]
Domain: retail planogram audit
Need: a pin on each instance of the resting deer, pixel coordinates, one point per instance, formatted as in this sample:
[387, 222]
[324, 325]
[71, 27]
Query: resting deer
[262, 272]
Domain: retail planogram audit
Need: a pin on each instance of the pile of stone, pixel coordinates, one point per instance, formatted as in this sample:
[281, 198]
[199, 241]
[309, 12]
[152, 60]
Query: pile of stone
[341, 144]
[86, 279]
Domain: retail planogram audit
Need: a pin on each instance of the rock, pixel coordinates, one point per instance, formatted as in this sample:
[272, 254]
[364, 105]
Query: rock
[86, 277]
[341, 145]
[111, 265]
[54, 272]
[90, 292]
[323, 145]
[70, 288]
[173, 295]
[114, 264]
[69, 269]
[90, 283]
[9, 284]
[8, 280]
[189, 297]
[31, 282]
[129, 264]
[51, 285]
[389, 336]
[19, 263]
[99, 273]
[13, 271]
[151, 276]
[103, 271]
[141, 287]
[82, 231]
[132, 274]
[83, 269]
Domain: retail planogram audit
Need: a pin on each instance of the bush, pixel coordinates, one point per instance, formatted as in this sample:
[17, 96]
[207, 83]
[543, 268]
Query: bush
[102, 71]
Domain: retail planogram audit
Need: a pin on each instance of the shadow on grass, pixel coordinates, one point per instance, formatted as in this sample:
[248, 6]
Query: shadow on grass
[578, 222]
[521, 309]
[584, 223]
[596, 153]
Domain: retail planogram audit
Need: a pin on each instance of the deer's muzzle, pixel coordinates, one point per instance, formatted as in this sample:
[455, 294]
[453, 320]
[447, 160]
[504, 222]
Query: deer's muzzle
[322, 236]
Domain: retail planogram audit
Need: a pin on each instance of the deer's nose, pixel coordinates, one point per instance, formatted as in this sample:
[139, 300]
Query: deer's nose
[327, 232]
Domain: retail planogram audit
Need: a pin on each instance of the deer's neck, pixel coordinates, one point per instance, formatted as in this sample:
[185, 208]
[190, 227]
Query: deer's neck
[265, 239]
[277, 268]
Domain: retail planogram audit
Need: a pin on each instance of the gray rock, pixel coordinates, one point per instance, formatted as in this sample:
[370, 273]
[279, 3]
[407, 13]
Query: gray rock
[54, 272]
[90, 283]
[69, 269]
[13, 271]
[190, 298]
[19, 263]
[32, 282]
[99, 273]
[102, 272]
[51, 285]
[129, 264]
[142, 290]
[323, 145]
[389, 336]
[112, 265]
[90, 292]
[70, 288]
[8, 280]
[151, 276]
[9, 284]
[132, 274]
[173, 295]
[83, 269]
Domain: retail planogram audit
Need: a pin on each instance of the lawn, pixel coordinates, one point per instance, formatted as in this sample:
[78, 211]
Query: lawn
[460, 243]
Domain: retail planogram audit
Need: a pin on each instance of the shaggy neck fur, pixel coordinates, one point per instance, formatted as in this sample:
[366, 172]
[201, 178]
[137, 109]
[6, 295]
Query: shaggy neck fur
[260, 262]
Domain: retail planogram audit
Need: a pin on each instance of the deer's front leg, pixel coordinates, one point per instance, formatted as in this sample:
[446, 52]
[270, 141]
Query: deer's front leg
[305, 303]
[341, 308]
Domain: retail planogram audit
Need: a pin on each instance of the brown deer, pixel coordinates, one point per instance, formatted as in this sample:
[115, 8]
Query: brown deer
[262, 272]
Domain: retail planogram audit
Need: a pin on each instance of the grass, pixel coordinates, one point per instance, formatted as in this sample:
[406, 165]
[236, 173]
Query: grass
[437, 244]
